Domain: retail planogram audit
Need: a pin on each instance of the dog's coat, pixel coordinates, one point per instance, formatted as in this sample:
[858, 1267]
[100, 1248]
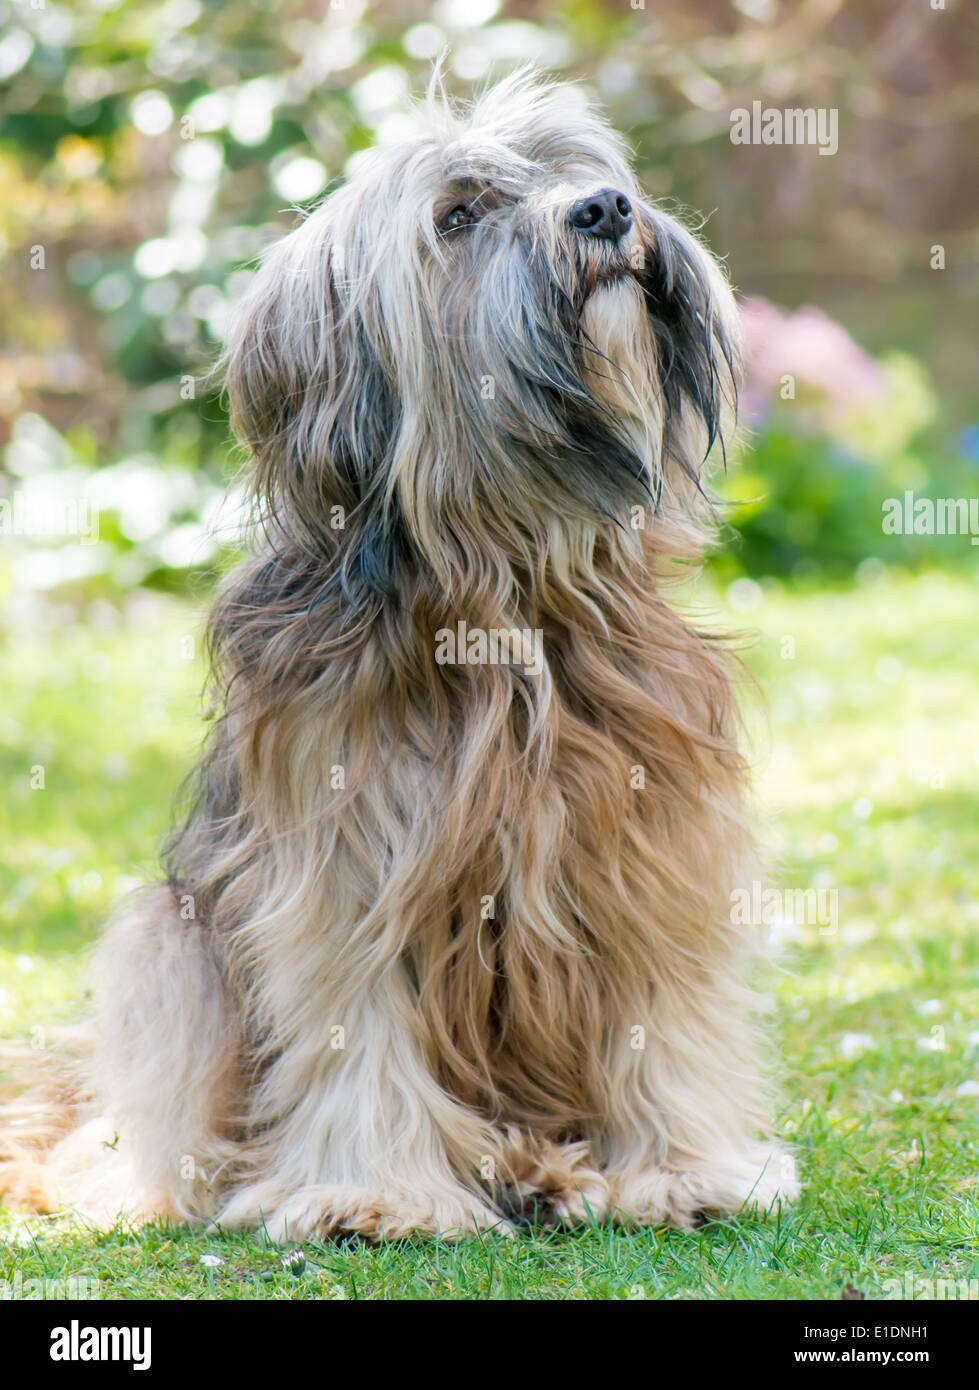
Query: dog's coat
[438, 937]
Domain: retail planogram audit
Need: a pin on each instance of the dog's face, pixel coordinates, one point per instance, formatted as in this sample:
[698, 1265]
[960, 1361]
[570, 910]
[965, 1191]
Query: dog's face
[484, 315]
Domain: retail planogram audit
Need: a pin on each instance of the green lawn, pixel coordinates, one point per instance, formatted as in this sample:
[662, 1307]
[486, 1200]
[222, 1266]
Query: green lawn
[868, 776]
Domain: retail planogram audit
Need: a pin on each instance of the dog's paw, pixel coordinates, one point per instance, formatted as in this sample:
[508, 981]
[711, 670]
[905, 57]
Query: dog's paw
[374, 1214]
[571, 1190]
[776, 1184]
[758, 1181]
[391, 1214]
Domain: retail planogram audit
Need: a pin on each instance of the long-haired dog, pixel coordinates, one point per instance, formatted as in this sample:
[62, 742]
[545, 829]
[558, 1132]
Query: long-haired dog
[447, 930]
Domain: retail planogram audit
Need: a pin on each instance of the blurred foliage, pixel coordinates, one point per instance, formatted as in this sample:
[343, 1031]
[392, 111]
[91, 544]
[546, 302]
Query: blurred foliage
[149, 151]
[805, 494]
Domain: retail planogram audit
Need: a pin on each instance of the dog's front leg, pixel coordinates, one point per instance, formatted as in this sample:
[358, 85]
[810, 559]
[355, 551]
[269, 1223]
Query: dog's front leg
[355, 1134]
[681, 1139]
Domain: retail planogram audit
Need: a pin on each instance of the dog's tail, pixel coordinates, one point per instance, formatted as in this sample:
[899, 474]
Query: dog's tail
[133, 1120]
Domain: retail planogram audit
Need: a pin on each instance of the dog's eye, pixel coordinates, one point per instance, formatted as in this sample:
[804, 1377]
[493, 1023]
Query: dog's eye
[460, 216]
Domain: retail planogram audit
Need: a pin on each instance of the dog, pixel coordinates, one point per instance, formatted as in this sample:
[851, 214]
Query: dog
[445, 936]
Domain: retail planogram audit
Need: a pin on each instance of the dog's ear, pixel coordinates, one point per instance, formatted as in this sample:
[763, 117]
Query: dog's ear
[695, 325]
[285, 360]
[312, 404]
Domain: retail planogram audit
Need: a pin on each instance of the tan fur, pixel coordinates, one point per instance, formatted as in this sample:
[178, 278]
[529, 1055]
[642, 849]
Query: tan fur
[497, 950]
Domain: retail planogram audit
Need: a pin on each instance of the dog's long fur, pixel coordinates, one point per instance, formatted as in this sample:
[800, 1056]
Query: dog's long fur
[435, 931]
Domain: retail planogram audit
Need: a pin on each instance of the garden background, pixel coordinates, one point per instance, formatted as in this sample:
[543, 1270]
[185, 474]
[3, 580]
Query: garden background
[148, 152]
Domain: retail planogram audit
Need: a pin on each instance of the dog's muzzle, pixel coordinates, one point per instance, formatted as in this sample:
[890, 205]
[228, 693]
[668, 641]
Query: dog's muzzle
[610, 248]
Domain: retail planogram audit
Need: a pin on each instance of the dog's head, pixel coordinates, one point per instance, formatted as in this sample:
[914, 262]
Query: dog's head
[488, 318]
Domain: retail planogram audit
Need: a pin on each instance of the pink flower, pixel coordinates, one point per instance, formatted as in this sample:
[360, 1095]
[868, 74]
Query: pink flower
[810, 347]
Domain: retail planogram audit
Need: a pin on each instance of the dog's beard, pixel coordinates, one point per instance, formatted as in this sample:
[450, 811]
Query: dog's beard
[615, 327]
[619, 359]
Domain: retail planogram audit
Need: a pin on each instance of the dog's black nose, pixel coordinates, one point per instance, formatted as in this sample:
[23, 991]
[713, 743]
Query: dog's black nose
[607, 215]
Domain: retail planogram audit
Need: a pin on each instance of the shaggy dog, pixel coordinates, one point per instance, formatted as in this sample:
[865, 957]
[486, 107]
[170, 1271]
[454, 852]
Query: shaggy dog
[447, 931]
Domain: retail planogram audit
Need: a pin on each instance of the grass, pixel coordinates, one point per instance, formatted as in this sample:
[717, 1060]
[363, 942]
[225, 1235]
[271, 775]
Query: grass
[868, 777]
